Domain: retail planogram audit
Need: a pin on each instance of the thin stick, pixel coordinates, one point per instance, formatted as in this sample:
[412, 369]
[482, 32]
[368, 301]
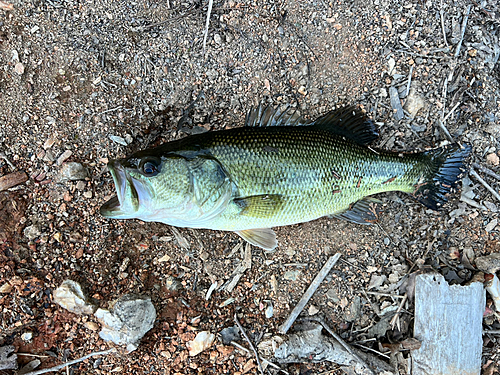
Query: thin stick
[451, 111]
[472, 203]
[207, 23]
[442, 23]
[485, 184]
[70, 363]
[491, 331]
[464, 26]
[489, 172]
[373, 350]
[249, 343]
[385, 294]
[409, 81]
[341, 342]
[33, 355]
[445, 131]
[395, 317]
[309, 293]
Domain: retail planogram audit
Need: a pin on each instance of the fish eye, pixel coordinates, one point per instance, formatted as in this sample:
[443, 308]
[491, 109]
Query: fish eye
[150, 167]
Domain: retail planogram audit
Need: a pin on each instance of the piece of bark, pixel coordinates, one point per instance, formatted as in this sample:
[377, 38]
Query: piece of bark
[310, 345]
[8, 361]
[448, 323]
[12, 179]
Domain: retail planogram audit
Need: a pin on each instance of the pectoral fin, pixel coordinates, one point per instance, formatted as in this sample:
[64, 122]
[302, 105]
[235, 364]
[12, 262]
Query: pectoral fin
[364, 212]
[261, 206]
[264, 238]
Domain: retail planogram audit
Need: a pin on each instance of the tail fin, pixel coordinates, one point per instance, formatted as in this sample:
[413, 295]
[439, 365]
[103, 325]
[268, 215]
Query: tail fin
[445, 168]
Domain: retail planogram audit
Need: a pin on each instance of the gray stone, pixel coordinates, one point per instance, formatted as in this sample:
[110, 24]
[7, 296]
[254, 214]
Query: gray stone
[291, 275]
[489, 263]
[31, 232]
[414, 103]
[230, 334]
[73, 171]
[71, 297]
[130, 318]
[8, 359]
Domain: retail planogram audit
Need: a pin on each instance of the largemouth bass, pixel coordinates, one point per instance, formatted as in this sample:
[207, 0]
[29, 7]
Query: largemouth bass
[279, 169]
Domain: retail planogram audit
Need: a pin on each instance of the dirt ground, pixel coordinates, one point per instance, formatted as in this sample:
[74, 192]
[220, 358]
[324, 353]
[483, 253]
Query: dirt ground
[88, 81]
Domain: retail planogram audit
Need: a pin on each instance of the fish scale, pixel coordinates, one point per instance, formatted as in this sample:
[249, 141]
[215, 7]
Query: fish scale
[303, 170]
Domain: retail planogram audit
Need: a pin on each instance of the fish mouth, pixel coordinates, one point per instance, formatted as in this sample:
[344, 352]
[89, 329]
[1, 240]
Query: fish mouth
[115, 207]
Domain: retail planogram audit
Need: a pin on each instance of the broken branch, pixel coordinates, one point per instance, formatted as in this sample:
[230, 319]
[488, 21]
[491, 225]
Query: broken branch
[60, 367]
[249, 343]
[309, 293]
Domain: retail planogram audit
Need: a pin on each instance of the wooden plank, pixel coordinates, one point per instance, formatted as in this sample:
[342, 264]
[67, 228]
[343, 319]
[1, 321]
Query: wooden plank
[448, 322]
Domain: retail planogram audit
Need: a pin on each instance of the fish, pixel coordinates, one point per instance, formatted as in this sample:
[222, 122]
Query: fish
[278, 169]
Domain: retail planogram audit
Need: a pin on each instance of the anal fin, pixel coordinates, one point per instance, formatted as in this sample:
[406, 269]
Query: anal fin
[364, 211]
[264, 238]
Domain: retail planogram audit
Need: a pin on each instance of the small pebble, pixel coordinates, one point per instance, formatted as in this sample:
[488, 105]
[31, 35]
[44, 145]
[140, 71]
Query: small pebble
[492, 159]
[291, 275]
[64, 156]
[19, 68]
[491, 225]
[31, 232]
[71, 297]
[118, 140]
[313, 310]
[202, 341]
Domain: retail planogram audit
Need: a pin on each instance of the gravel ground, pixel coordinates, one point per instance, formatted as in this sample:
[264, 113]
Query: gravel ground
[86, 81]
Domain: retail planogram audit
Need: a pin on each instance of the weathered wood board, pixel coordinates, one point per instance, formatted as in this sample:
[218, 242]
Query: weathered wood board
[448, 322]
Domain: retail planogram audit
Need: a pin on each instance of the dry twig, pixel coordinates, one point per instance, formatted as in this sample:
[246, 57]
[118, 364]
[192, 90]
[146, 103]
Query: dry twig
[60, 367]
[442, 24]
[487, 171]
[472, 172]
[445, 130]
[464, 26]
[396, 315]
[207, 23]
[309, 292]
[249, 343]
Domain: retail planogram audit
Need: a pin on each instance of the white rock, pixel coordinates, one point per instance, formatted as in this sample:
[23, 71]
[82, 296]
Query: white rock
[313, 310]
[130, 318]
[71, 297]
[202, 341]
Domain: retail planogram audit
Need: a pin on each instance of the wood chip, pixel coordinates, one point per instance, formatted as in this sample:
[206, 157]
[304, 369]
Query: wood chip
[12, 179]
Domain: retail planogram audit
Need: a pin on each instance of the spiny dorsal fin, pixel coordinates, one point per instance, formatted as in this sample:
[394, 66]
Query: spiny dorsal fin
[349, 122]
[269, 116]
[264, 238]
[364, 212]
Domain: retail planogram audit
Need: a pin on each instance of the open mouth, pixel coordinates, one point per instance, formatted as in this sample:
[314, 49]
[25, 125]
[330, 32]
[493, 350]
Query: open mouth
[113, 206]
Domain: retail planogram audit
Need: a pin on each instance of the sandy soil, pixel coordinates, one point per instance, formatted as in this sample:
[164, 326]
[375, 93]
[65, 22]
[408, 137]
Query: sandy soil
[87, 81]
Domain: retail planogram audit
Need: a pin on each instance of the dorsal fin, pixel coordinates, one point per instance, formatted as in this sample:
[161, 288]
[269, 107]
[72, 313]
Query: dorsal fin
[269, 116]
[349, 122]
